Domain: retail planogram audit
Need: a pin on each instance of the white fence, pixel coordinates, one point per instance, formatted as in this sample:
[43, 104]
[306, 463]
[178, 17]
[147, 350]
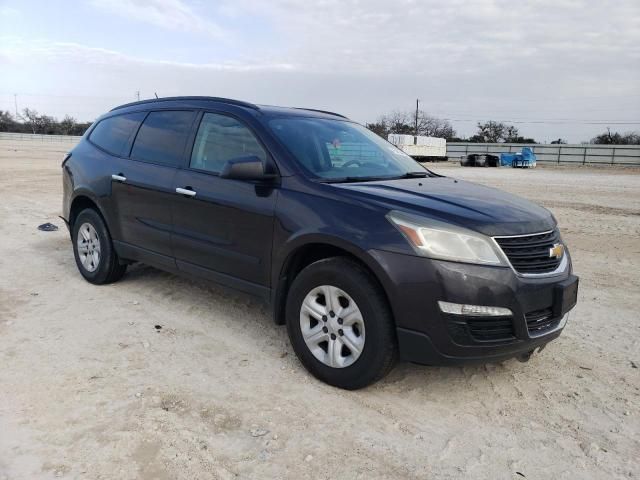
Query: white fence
[37, 138]
[560, 154]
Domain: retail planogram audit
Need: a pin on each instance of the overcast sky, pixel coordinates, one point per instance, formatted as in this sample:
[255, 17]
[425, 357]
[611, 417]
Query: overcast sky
[554, 68]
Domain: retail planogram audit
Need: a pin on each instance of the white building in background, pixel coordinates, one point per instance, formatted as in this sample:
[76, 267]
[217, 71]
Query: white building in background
[421, 148]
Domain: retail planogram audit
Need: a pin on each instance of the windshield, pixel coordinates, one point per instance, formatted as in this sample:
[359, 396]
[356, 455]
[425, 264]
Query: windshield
[335, 150]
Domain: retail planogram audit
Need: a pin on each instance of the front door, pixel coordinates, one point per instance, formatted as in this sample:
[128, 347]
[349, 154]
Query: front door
[223, 230]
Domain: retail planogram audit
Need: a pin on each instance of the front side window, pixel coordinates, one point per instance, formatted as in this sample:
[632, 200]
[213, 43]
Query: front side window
[114, 133]
[162, 138]
[221, 138]
[342, 150]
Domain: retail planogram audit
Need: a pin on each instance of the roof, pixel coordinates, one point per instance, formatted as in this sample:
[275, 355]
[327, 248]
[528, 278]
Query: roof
[268, 109]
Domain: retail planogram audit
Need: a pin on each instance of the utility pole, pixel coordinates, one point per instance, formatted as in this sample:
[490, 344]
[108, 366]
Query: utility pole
[15, 101]
[415, 139]
[138, 94]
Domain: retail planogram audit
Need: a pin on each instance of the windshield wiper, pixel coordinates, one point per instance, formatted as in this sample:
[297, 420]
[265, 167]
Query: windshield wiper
[354, 179]
[374, 178]
[415, 175]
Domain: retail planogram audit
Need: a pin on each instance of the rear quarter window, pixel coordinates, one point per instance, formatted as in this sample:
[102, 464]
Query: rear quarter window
[162, 137]
[113, 134]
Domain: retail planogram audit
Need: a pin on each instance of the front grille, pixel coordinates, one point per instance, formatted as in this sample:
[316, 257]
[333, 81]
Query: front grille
[530, 253]
[490, 329]
[540, 321]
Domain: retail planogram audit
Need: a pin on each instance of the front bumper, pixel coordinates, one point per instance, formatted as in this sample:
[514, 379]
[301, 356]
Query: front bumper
[428, 336]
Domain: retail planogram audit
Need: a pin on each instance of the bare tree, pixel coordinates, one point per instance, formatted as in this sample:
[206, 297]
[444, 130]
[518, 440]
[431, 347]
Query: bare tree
[379, 128]
[31, 118]
[67, 125]
[608, 138]
[491, 132]
[434, 127]
[38, 123]
[404, 123]
[511, 134]
[498, 132]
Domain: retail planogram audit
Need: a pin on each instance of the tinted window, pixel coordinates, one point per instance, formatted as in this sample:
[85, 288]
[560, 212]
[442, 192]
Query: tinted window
[113, 134]
[221, 138]
[162, 137]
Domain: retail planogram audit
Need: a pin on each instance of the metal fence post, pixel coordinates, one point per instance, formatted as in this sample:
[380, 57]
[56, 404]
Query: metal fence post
[559, 152]
[584, 158]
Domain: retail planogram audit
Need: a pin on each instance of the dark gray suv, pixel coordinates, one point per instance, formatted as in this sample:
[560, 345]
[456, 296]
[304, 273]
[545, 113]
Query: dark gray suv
[361, 251]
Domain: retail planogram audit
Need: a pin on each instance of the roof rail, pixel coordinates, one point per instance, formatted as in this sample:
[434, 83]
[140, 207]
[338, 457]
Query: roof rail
[321, 111]
[230, 101]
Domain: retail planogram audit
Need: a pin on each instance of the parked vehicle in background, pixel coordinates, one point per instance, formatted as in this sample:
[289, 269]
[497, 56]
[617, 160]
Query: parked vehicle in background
[421, 148]
[364, 254]
[480, 160]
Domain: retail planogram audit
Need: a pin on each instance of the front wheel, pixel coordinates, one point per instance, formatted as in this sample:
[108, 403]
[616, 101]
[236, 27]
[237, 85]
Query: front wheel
[340, 325]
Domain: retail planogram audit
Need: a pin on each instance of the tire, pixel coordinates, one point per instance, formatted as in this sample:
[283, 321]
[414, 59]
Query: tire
[368, 327]
[105, 267]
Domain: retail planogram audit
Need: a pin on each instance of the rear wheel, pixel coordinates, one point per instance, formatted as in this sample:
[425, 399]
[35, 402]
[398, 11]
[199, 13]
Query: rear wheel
[340, 325]
[93, 249]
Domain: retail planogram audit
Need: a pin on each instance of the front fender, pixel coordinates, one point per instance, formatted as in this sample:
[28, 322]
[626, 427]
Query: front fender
[287, 251]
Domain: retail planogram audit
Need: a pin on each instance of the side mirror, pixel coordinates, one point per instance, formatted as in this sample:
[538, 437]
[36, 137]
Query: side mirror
[245, 168]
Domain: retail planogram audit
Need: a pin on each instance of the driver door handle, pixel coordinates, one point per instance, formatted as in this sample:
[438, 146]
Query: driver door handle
[119, 177]
[186, 191]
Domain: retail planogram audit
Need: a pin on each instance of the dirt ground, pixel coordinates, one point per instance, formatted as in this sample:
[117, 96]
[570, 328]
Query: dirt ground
[89, 388]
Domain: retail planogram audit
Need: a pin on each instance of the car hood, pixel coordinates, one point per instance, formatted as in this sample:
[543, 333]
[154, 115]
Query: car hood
[483, 209]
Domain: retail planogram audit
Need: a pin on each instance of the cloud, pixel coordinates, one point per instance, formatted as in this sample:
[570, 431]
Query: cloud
[169, 14]
[16, 50]
[434, 37]
[7, 13]
[466, 60]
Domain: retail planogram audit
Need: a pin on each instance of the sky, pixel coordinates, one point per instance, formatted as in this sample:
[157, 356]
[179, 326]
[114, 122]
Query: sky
[553, 68]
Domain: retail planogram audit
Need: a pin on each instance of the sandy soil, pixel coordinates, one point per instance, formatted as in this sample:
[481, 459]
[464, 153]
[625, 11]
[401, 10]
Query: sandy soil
[90, 389]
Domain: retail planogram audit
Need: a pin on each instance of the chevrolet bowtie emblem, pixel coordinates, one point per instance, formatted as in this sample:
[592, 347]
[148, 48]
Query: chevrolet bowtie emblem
[556, 251]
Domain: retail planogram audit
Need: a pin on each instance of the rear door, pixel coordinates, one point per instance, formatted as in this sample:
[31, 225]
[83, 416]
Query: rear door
[223, 231]
[143, 186]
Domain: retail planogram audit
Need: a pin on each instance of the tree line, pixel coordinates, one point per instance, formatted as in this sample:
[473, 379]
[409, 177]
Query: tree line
[400, 122]
[406, 123]
[30, 121]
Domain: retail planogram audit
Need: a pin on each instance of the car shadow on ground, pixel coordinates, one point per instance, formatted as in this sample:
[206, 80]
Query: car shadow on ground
[255, 320]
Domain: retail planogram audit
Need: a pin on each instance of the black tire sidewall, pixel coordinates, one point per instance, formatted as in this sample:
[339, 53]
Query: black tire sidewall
[107, 259]
[379, 350]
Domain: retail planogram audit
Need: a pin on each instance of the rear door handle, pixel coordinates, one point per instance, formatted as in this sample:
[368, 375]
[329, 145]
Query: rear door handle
[186, 191]
[119, 177]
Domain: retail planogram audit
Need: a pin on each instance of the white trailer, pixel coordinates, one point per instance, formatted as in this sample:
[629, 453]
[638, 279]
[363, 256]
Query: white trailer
[421, 148]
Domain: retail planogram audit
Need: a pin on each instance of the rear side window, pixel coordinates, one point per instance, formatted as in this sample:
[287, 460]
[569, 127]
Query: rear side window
[114, 133]
[221, 138]
[162, 137]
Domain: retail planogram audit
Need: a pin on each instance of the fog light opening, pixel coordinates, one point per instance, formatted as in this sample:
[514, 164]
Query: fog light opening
[473, 310]
[525, 357]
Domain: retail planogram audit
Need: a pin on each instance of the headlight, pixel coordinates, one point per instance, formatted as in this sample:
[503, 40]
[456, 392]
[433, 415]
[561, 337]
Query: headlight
[439, 240]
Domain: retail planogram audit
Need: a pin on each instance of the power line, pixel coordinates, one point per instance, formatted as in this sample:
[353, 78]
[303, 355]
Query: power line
[551, 122]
